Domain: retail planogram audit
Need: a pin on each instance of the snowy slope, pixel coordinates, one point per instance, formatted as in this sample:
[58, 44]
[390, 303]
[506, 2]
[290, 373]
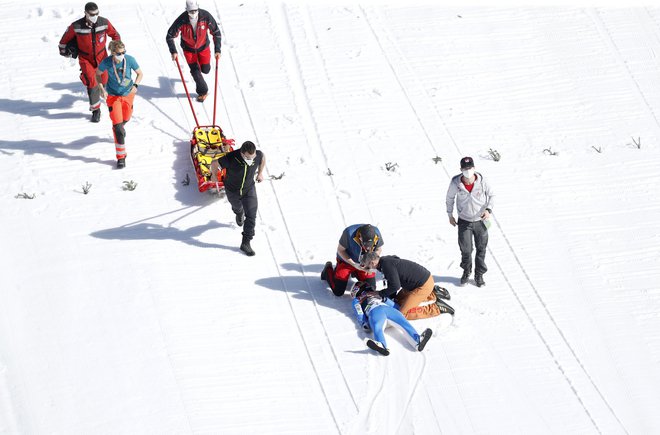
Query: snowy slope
[134, 311]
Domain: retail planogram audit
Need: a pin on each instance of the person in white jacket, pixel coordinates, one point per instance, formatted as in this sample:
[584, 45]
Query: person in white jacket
[473, 198]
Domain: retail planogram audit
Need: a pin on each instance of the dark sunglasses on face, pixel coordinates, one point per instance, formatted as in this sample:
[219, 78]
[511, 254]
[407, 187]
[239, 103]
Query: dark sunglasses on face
[120, 53]
[93, 14]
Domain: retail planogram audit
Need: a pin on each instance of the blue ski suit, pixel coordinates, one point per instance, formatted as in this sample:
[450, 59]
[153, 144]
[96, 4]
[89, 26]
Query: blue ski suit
[374, 311]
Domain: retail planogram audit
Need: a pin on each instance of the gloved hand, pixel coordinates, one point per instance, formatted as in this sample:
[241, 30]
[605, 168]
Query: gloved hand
[65, 52]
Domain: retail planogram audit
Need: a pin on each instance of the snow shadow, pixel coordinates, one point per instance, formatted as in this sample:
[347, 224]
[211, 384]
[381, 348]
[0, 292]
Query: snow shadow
[55, 149]
[308, 288]
[455, 280]
[165, 89]
[150, 231]
[42, 108]
[185, 179]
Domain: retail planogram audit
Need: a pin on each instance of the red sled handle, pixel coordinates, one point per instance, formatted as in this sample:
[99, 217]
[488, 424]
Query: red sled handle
[188, 94]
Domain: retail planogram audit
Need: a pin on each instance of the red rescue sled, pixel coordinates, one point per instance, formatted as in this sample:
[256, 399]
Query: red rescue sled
[207, 145]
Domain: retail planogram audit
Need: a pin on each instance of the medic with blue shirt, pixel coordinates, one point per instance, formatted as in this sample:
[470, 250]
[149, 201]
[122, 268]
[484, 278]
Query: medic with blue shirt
[354, 243]
[119, 92]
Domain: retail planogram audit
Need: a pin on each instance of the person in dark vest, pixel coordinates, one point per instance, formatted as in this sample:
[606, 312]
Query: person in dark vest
[244, 166]
[86, 39]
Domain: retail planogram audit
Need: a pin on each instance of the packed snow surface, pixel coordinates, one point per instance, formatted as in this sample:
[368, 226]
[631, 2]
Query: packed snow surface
[134, 312]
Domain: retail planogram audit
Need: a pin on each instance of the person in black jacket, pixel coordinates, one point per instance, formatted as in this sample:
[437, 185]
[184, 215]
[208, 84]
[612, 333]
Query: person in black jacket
[410, 285]
[243, 167]
[194, 26]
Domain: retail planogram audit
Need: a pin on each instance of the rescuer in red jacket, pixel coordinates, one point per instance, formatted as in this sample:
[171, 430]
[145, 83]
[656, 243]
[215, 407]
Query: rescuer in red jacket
[86, 39]
[194, 26]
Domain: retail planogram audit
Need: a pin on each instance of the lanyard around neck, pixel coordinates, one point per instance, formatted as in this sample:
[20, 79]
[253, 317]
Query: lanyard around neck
[114, 67]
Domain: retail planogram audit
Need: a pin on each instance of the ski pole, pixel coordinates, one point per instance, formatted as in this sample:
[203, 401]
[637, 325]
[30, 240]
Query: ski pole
[187, 93]
[215, 90]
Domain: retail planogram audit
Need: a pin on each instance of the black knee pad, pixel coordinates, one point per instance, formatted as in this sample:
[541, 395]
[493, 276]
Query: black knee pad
[339, 287]
[120, 133]
[206, 68]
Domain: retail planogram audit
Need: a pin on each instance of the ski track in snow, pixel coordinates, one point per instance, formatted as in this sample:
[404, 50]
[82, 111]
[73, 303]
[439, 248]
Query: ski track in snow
[315, 86]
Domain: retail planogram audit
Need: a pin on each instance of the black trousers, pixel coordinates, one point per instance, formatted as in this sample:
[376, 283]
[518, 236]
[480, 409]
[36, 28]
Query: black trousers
[200, 84]
[246, 203]
[466, 232]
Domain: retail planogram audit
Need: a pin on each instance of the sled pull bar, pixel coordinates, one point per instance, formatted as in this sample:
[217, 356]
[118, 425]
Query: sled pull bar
[215, 90]
[187, 93]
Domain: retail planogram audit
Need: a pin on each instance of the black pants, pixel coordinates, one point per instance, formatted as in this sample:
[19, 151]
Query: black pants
[466, 232]
[246, 203]
[200, 84]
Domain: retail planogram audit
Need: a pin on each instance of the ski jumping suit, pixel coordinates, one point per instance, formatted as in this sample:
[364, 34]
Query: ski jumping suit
[371, 309]
[240, 187]
[120, 97]
[338, 279]
[470, 206]
[195, 44]
[410, 285]
[91, 40]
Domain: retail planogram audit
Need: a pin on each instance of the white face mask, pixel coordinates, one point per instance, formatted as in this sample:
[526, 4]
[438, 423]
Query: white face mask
[468, 173]
[247, 160]
[92, 18]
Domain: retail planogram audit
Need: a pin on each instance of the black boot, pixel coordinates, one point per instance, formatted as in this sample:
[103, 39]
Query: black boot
[327, 268]
[479, 280]
[441, 292]
[245, 247]
[466, 275]
[96, 115]
[121, 163]
[444, 307]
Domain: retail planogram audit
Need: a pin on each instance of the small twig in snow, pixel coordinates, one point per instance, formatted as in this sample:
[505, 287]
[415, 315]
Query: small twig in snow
[391, 166]
[550, 152]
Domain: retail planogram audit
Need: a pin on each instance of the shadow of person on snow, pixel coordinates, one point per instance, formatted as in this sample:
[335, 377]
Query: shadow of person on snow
[455, 280]
[308, 287]
[150, 231]
[42, 109]
[55, 149]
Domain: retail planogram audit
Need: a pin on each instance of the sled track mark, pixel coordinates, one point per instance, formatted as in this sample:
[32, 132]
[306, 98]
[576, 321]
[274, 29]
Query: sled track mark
[559, 331]
[606, 36]
[418, 380]
[509, 246]
[298, 260]
[423, 128]
[151, 296]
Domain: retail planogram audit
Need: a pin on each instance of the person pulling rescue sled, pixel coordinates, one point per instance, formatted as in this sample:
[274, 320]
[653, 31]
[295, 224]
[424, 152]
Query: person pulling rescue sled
[120, 92]
[354, 243]
[242, 166]
[86, 39]
[374, 312]
[193, 25]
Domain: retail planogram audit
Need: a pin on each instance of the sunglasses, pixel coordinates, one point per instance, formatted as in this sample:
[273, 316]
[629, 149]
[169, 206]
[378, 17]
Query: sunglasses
[92, 14]
[120, 54]
[192, 12]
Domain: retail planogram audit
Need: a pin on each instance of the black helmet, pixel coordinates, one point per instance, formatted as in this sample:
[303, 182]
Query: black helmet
[368, 237]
